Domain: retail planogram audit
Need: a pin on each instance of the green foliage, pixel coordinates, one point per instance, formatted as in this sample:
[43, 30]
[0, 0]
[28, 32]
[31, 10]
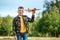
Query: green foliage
[6, 25]
[33, 27]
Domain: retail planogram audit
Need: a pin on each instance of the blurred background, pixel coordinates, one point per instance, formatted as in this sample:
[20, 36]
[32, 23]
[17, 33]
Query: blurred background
[47, 19]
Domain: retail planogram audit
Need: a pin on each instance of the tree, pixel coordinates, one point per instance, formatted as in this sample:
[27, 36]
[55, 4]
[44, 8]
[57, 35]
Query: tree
[51, 18]
[6, 25]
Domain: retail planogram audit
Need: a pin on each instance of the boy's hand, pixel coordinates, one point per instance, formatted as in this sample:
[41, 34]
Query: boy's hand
[33, 12]
[15, 37]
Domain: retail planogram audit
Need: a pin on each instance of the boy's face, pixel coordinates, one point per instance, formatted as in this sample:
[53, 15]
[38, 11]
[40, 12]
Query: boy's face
[20, 11]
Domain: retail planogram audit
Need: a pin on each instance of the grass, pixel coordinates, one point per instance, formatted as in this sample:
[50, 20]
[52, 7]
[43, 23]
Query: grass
[6, 39]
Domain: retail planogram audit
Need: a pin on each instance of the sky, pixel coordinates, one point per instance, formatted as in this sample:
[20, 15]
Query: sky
[9, 7]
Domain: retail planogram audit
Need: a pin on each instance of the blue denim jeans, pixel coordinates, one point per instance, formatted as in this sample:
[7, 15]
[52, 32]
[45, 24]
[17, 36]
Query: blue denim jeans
[22, 36]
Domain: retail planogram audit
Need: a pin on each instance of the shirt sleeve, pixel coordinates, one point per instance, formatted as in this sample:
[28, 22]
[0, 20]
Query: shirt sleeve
[31, 19]
[14, 28]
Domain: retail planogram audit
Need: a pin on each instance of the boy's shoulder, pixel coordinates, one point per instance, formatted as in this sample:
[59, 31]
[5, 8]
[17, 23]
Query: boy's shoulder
[25, 15]
[15, 17]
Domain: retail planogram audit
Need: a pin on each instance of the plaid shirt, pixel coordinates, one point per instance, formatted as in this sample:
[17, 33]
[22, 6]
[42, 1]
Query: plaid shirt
[16, 23]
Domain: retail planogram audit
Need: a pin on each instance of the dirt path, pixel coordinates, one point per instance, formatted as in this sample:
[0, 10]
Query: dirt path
[34, 38]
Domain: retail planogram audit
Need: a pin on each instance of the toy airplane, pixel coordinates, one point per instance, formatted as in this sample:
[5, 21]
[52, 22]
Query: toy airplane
[30, 10]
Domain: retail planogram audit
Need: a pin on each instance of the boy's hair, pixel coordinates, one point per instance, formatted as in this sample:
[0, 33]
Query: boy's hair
[21, 7]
